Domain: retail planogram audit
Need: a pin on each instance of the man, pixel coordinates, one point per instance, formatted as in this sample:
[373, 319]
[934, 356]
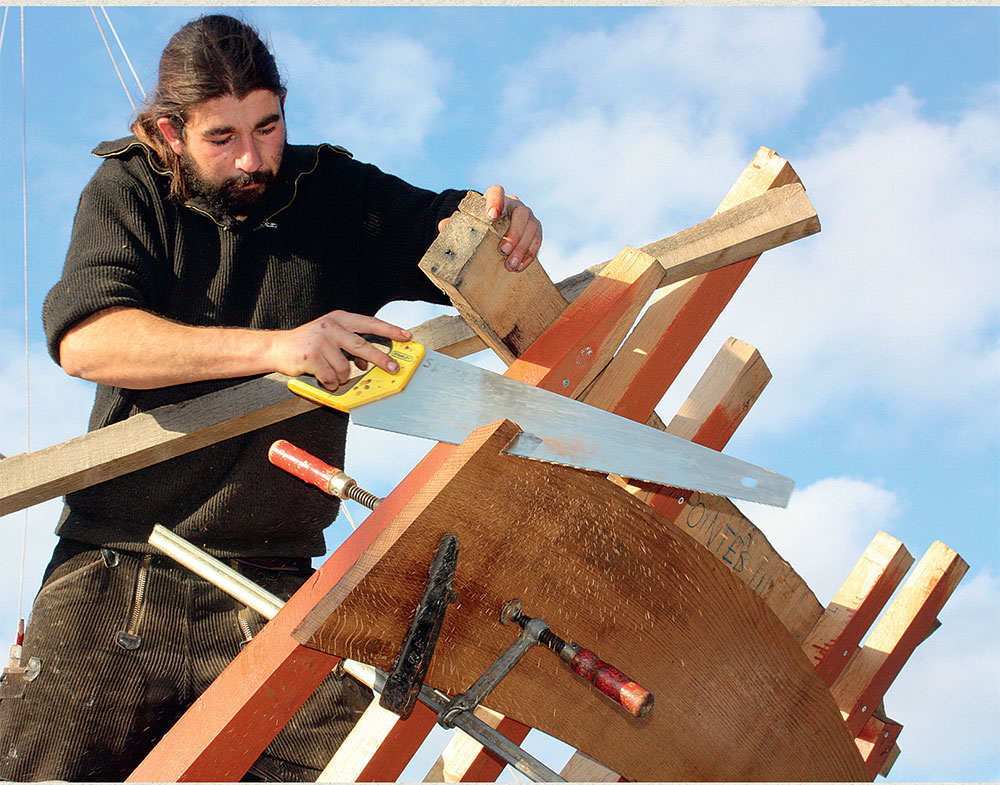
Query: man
[206, 250]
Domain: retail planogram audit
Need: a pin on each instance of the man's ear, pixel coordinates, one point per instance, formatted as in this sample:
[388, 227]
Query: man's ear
[170, 134]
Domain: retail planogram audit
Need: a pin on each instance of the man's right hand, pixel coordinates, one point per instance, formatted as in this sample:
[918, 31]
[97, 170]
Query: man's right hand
[159, 352]
[318, 347]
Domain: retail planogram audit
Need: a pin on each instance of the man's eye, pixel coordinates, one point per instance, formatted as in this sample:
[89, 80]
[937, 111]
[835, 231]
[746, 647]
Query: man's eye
[221, 142]
[269, 130]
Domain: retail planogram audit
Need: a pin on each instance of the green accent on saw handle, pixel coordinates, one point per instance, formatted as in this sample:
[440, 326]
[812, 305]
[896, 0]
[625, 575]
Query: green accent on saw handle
[376, 383]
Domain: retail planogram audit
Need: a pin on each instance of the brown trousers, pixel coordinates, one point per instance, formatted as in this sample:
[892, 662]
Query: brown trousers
[124, 643]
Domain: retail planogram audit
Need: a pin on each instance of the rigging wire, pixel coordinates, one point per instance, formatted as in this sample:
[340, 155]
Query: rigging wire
[27, 363]
[124, 53]
[114, 62]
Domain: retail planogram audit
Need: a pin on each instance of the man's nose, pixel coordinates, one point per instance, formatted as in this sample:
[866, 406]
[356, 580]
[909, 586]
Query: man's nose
[248, 159]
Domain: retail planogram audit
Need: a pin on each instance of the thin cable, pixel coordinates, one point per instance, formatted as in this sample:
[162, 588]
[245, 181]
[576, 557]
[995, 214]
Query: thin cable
[112, 56]
[27, 362]
[124, 53]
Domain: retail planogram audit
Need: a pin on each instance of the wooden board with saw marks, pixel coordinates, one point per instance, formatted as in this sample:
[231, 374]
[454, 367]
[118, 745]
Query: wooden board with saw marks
[735, 696]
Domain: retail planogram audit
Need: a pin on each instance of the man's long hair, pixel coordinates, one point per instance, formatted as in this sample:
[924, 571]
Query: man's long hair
[210, 57]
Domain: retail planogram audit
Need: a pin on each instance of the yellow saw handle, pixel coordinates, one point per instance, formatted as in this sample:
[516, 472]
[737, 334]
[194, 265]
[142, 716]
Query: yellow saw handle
[376, 383]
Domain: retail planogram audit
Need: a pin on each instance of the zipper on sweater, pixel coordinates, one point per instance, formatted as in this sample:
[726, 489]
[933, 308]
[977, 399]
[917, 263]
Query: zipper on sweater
[129, 638]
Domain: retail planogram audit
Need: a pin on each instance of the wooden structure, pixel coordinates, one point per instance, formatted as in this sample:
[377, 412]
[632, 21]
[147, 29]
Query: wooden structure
[754, 680]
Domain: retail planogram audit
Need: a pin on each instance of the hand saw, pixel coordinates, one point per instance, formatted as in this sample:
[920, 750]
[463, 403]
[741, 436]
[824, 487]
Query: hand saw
[438, 397]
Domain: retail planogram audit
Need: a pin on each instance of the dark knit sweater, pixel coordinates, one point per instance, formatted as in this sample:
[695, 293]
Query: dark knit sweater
[332, 234]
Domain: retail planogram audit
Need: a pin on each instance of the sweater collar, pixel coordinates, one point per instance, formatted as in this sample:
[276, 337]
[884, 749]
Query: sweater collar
[297, 162]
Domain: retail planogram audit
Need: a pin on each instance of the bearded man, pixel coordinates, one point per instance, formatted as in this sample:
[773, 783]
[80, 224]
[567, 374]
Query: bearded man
[207, 250]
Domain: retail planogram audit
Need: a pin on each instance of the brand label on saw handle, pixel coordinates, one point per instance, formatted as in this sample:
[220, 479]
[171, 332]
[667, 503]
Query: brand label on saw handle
[376, 383]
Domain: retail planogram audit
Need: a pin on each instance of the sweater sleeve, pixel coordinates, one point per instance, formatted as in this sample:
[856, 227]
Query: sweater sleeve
[398, 223]
[115, 258]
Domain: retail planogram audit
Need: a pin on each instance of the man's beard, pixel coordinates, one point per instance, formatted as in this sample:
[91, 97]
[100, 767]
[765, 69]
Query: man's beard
[229, 198]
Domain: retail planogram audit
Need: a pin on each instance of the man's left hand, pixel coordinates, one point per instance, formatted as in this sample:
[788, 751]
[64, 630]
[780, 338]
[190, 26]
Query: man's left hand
[524, 235]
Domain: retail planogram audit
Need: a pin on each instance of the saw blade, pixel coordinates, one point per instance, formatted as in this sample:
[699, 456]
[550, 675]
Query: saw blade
[447, 399]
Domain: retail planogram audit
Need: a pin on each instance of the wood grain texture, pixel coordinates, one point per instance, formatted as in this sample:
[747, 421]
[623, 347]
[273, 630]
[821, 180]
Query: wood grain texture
[507, 310]
[143, 440]
[863, 595]
[585, 336]
[604, 571]
[906, 622]
[581, 768]
[769, 220]
[709, 416]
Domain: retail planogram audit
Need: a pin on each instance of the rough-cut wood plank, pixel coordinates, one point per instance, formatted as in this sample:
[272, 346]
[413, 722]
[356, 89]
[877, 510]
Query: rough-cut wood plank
[678, 319]
[465, 759]
[224, 731]
[364, 756]
[601, 569]
[140, 441]
[774, 218]
[906, 622]
[855, 606]
[578, 344]
[508, 310]
[876, 743]
[581, 768]
[722, 397]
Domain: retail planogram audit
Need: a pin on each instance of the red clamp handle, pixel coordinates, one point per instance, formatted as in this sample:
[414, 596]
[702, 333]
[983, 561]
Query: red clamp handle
[303, 465]
[626, 692]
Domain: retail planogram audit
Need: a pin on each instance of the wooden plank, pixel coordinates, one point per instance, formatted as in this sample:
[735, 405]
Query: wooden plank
[581, 768]
[145, 439]
[233, 721]
[602, 570]
[876, 743]
[855, 606]
[679, 318]
[584, 337]
[772, 219]
[507, 310]
[906, 622]
[465, 759]
[365, 755]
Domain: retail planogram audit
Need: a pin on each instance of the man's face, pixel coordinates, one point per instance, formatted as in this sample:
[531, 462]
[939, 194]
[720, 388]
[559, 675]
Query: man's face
[232, 148]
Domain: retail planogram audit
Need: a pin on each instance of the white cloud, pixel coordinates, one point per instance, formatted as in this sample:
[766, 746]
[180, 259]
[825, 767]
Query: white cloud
[379, 97]
[895, 301]
[629, 134]
[947, 697]
[826, 527]
[697, 67]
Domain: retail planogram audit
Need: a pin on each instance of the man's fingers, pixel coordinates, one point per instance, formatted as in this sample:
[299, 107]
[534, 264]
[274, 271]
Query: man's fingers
[523, 239]
[494, 201]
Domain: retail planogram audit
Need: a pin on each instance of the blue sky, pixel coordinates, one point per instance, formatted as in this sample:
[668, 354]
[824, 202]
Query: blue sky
[622, 126]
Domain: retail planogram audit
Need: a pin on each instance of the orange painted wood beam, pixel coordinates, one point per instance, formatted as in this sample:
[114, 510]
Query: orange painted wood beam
[584, 337]
[675, 324]
[908, 620]
[877, 743]
[834, 639]
[220, 736]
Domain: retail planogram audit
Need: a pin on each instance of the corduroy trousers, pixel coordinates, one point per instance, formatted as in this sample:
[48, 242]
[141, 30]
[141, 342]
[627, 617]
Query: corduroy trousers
[120, 644]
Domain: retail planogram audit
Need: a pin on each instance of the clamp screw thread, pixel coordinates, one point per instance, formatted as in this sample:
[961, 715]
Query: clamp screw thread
[369, 500]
